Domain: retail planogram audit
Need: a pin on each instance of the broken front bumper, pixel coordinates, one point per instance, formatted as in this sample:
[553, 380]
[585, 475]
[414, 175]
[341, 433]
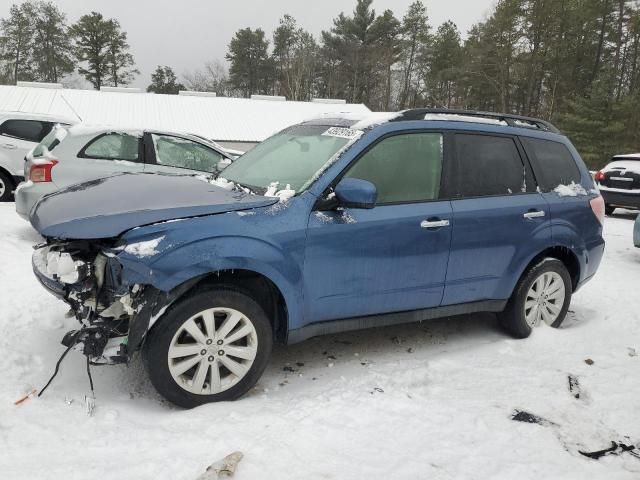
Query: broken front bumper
[114, 316]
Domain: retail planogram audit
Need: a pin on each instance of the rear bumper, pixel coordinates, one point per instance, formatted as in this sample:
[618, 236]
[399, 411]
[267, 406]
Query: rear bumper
[27, 195]
[620, 199]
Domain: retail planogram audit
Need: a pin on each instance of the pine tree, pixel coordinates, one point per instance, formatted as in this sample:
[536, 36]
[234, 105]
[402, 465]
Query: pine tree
[52, 59]
[164, 80]
[251, 66]
[16, 42]
[120, 64]
[295, 54]
[415, 38]
[102, 47]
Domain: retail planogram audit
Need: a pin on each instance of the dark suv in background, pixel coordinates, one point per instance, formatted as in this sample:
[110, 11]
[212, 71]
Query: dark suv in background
[619, 183]
[331, 225]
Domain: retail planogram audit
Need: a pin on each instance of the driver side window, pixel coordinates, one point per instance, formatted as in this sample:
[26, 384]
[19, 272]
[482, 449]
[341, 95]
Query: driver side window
[404, 168]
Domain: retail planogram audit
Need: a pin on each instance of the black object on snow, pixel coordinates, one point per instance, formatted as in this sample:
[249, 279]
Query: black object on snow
[615, 449]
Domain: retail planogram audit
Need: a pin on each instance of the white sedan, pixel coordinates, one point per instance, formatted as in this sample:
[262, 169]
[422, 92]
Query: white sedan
[68, 156]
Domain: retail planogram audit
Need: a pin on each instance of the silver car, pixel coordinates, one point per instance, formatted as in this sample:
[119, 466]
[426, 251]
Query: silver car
[67, 156]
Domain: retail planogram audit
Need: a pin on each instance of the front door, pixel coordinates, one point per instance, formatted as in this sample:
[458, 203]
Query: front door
[390, 258]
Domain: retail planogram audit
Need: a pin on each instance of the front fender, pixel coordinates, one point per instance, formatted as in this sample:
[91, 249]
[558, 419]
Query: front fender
[173, 267]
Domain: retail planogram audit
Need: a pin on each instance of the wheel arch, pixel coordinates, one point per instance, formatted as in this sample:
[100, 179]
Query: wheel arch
[257, 285]
[559, 252]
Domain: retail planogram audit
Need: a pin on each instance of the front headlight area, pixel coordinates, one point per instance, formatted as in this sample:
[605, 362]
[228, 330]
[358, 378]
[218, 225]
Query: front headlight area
[88, 277]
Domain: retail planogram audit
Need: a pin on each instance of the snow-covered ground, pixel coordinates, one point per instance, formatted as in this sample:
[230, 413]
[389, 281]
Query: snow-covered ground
[431, 400]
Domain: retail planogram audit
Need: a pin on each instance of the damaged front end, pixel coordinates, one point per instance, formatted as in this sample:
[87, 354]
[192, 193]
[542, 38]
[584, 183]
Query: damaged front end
[114, 316]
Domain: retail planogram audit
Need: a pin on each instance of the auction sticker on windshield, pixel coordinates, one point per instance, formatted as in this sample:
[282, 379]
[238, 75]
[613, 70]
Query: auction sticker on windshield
[342, 132]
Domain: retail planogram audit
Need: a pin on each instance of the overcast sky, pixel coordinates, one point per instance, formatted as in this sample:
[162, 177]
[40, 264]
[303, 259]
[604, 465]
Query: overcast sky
[186, 33]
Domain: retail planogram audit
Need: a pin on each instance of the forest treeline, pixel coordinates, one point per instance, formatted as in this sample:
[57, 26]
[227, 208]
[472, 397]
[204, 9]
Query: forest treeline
[574, 62]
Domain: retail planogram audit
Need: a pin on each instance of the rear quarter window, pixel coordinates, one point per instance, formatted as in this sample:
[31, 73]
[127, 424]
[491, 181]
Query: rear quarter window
[552, 163]
[113, 146]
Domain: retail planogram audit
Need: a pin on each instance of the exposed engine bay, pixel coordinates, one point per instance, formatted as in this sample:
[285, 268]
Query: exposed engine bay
[113, 315]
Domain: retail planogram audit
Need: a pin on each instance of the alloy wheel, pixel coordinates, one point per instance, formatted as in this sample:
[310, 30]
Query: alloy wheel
[545, 299]
[212, 351]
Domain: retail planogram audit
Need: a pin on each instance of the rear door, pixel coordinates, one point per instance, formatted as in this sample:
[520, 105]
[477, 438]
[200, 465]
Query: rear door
[178, 155]
[390, 258]
[499, 218]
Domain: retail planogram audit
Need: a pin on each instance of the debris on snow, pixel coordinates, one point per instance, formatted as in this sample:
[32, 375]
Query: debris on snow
[615, 449]
[572, 190]
[144, 249]
[574, 386]
[526, 417]
[29, 395]
[589, 362]
[224, 468]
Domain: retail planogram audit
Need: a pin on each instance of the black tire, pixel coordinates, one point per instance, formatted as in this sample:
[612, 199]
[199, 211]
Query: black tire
[156, 348]
[6, 187]
[513, 317]
[608, 210]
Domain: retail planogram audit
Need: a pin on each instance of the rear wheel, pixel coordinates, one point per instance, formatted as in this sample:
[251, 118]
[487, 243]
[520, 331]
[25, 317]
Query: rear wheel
[608, 210]
[542, 295]
[6, 187]
[210, 347]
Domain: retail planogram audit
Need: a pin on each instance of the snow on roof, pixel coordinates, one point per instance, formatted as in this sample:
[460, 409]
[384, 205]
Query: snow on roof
[219, 118]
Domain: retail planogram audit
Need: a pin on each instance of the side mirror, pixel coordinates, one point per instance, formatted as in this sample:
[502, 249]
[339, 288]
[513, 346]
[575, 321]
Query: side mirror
[356, 193]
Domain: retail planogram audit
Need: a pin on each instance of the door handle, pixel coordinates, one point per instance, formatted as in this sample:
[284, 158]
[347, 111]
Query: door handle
[535, 214]
[9, 146]
[434, 223]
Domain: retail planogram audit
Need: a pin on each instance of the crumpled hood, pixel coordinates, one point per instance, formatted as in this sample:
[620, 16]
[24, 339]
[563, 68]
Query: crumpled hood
[107, 207]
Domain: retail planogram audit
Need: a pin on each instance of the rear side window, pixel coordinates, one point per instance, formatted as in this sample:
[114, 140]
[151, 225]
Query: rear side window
[29, 130]
[404, 168]
[113, 146]
[487, 166]
[552, 163]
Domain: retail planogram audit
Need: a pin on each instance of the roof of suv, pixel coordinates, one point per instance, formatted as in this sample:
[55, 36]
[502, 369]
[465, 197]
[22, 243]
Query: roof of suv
[430, 114]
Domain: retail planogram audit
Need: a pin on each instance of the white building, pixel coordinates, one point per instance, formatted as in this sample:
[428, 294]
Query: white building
[234, 122]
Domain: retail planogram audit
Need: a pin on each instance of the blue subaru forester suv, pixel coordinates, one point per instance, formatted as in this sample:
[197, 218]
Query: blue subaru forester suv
[331, 225]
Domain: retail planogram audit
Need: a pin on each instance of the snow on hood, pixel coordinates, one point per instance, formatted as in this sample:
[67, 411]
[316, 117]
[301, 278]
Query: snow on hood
[107, 207]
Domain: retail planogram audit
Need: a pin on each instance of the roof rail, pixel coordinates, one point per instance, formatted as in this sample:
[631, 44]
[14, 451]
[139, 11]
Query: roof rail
[511, 120]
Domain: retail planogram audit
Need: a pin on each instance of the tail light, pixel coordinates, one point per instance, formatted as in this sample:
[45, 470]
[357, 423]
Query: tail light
[597, 205]
[599, 176]
[41, 172]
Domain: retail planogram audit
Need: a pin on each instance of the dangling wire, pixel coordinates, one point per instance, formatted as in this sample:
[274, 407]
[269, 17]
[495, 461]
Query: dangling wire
[64, 354]
[90, 379]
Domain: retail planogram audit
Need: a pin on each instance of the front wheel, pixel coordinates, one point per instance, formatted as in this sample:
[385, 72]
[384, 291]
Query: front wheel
[212, 346]
[542, 295]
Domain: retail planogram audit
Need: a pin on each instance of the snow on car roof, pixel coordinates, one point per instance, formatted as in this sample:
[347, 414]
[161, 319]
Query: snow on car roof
[630, 156]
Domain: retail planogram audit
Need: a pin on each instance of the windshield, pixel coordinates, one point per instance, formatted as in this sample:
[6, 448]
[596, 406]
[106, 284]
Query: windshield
[291, 157]
[51, 141]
